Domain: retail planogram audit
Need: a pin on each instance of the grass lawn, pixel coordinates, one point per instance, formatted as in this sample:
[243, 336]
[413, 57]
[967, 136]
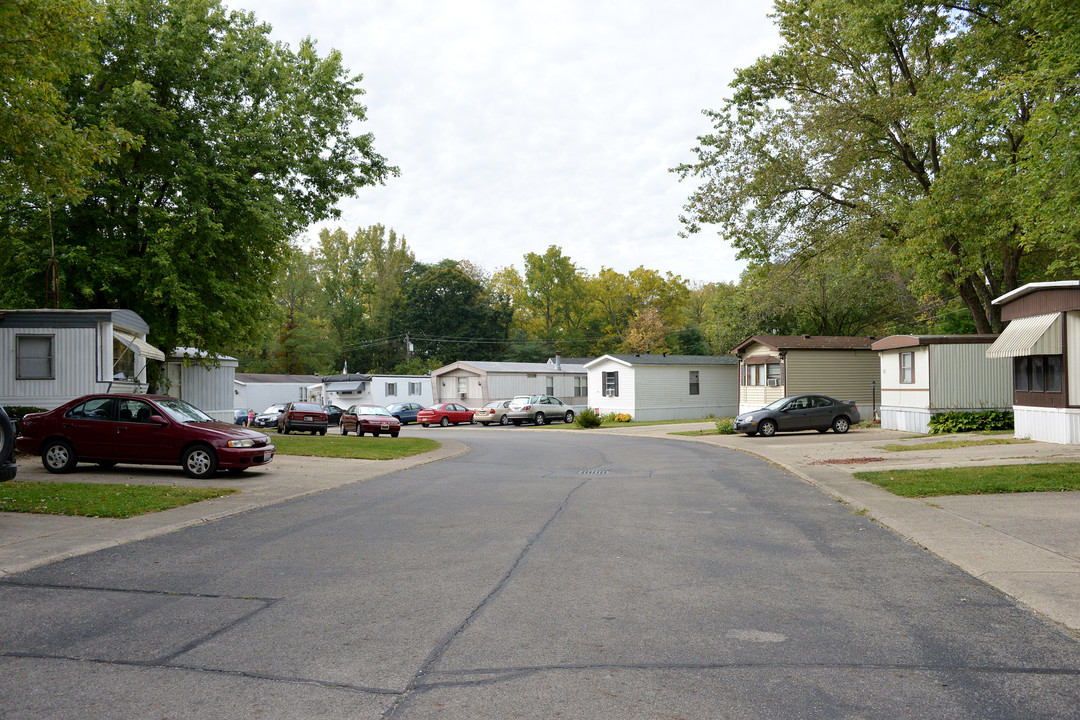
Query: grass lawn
[383, 447]
[1042, 477]
[99, 499]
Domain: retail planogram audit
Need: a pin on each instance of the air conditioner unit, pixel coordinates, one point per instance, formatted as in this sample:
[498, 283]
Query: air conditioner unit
[773, 382]
[463, 395]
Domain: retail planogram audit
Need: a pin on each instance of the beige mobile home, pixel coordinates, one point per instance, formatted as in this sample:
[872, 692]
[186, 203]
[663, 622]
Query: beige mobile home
[775, 366]
[474, 384]
[922, 375]
[1042, 335]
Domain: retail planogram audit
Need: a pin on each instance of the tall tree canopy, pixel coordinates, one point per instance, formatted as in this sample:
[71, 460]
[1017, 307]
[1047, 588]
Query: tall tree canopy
[886, 122]
[43, 152]
[240, 143]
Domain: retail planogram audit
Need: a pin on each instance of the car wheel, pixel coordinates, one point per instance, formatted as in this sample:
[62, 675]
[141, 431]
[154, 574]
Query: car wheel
[285, 429]
[445, 421]
[767, 428]
[344, 430]
[58, 456]
[504, 420]
[568, 417]
[374, 434]
[322, 432]
[393, 434]
[199, 461]
[841, 425]
[539, 419]
[359, 432]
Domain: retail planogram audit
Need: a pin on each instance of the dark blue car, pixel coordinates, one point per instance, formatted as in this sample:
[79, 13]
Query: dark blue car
[405, 412]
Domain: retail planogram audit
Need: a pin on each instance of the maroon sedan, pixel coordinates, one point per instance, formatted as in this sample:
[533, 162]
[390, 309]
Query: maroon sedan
[369, 418]
[145, 429]
[444, 414]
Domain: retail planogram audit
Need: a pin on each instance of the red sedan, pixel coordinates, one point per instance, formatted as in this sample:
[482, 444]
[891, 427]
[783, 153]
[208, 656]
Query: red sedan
[444, 414]
[144, 429]
[369, 418]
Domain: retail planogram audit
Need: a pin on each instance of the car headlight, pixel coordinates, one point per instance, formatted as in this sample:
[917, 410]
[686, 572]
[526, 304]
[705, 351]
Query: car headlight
[747, 418]
[246, 442]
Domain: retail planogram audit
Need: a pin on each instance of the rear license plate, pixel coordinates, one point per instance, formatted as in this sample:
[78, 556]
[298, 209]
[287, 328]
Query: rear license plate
[308, 418]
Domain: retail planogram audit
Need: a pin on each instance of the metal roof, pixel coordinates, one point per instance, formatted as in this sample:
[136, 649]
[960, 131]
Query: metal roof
[1035, 335]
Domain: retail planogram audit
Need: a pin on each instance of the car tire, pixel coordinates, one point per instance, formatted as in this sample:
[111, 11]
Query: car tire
[568, 417]
[199, 461]
[285, 429]
[504, 420]
[539, 419]
[344, 430]
[444, 422]
[374, 434]
[359, 432]
[841, 425]
[767, 428]
[393, 434]
[58, 456]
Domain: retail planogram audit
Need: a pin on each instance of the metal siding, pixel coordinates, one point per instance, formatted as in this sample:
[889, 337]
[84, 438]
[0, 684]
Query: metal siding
[209, 388]
[75, 365]
[842, 374]
[897, 395]
[1044, 424]
[663, 393]
[905, 418]
[963, 378]
[1072, 356]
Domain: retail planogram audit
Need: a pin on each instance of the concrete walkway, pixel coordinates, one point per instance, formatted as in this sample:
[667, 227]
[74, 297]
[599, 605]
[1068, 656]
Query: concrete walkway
[1027, 545]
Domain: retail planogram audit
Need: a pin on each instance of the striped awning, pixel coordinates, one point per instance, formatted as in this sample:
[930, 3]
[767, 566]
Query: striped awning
[139, 346]
[1036, 335]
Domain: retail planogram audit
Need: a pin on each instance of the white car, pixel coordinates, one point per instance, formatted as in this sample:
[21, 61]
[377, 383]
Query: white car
[539, 410]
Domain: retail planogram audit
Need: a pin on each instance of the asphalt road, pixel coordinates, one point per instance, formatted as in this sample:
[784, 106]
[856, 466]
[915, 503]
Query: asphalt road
[540, 575]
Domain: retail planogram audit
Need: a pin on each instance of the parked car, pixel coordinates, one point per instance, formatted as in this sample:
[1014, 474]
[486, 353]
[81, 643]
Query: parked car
[333, 414]
[147, 429]
[494, 411]
[8, 467]
[539, 410]
[405, 412]
[444, 414]
[369, 418]
[302, 416]
[269, 416]
[240, 416]
[800, 412]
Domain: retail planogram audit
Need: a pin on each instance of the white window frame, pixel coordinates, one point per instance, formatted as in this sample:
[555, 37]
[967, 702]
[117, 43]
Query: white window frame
[907, 370]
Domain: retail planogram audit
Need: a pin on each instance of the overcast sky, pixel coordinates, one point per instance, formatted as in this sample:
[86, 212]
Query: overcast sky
[519, 125]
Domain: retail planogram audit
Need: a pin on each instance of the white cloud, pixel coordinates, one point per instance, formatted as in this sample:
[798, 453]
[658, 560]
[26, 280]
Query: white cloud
[519, 125]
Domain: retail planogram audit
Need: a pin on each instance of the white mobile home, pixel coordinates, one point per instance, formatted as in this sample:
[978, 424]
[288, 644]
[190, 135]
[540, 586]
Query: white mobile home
[775, 366]
[52, 356]
[381, 390]
[258, 391]
[1042, 341]
[664, 387]
[922, 375]
[208, 385]
[474, 384]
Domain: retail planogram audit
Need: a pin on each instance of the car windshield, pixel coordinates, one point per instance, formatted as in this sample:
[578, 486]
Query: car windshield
[371, 410]
[779, 403]
[273, 409]
[183, 412]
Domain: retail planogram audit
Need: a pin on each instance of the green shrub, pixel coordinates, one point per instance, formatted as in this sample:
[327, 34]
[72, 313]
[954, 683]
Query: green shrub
[609, 417]
[960, 422]
[588, 418]
[726, 426]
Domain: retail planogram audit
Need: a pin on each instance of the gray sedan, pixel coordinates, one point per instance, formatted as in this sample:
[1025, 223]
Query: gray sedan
[800, 412]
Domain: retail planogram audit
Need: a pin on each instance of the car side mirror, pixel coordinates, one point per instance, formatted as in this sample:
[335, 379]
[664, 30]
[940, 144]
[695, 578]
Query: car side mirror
[158, 420]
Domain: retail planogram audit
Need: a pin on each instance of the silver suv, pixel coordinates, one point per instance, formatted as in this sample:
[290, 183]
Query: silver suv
[539, 410]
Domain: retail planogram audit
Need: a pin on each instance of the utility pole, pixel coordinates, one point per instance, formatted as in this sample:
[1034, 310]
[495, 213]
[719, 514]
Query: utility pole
[408, 348]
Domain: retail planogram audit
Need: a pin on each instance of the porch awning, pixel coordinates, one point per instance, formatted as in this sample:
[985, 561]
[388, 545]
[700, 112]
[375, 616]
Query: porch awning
[140, 347]
[345, 387]
[1036, 335]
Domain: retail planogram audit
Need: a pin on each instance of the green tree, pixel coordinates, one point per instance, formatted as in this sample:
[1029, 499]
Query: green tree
[45, 155]
[881, 122]
[242, 143]
[449, 316]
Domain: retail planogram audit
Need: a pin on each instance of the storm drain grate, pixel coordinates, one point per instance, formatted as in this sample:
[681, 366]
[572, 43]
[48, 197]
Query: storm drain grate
[595, 472]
